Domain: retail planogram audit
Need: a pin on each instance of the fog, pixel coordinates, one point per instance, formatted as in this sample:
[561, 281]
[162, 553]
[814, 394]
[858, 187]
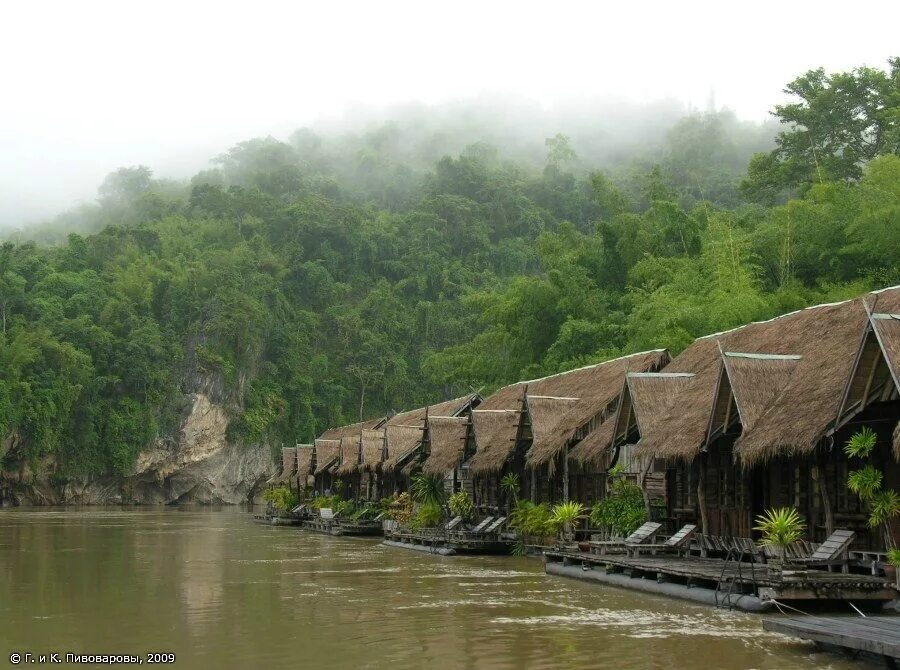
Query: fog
[91, 86]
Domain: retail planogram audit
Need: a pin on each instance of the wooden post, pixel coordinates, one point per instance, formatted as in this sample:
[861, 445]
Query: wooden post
[819, 473]
[566, 474]
[701, 493]
[534, 485]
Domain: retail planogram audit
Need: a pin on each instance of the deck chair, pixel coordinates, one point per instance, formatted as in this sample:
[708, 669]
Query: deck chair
[676, 544]
[831, 553]
[643, 534]
[495, 526]
[454, 522]
[327, 514]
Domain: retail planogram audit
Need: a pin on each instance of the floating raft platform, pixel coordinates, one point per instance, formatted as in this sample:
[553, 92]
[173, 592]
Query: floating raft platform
[879, 635]
[745, 586]
[339, 528]
[276, 520]
[448, 544]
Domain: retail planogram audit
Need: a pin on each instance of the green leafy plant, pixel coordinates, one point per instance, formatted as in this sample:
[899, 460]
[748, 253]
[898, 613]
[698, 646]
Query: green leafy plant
[509, 484]
[861, 443]
[461, 505]
[780, 527]
[622, 511]
[401, 508]
[428, 515]
[531, 520]
[884, 504]
[282, 498]
[427, 489]
[564, 515]
[865, 482]
[893, 557]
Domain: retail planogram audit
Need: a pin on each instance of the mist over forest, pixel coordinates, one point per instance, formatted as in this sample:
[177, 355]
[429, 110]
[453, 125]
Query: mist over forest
[368, 265]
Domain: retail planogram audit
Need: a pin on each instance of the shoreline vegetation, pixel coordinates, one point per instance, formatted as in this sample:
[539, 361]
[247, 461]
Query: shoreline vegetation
[305, 284]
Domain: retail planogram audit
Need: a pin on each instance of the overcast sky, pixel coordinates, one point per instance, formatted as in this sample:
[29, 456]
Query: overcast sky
[89, 86]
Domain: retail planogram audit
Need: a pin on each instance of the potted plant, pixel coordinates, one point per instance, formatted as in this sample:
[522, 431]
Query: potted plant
[563, 517]
[509, 484]
[780, 528]
[461, 505]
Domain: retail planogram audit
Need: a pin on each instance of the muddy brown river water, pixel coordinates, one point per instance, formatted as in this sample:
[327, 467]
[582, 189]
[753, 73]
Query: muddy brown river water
[220, 591]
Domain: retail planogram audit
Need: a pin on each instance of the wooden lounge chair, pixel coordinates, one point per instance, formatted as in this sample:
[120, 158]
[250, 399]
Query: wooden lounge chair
[643, 534]
[677, 543]
[477, 530]
[495, 526]
[327, 514]
[831, 553]
[454, 522]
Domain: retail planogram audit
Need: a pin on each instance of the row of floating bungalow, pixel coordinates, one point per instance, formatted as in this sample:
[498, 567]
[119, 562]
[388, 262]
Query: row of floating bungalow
[738, 423]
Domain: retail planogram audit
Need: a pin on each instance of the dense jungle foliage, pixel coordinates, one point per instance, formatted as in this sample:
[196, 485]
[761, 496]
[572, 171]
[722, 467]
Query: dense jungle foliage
[325, 276]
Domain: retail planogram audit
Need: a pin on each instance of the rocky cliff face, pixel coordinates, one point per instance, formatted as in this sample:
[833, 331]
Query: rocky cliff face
[197, 465]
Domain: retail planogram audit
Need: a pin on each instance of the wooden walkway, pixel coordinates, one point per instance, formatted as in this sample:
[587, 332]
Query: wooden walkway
[462, 543]
[739, 577]
[878, 635]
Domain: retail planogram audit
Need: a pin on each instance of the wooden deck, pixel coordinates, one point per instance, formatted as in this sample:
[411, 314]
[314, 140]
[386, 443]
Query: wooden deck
[878, 635]
[460, 543]
[738, 577]
[339, 528]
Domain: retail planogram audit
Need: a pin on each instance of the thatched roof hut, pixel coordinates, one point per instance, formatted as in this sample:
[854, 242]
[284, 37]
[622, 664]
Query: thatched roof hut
[792, 388]
[559, 406]
[405, 431]
[545, 413]
[643, 395]
[372, 449]
[495, 433]
[446, 443]
[349, 459]
[304, 461]
[327, 453]
[288, 464]
[750, 383]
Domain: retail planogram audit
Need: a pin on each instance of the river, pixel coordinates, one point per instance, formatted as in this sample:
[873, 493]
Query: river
[220, 591]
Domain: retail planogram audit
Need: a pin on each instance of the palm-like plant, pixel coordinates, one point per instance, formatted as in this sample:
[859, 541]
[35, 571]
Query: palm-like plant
[509, 484]
[780, 528]
[427, 489]
[861, 443]
[865, 482]
[563, 515]
[885, 505]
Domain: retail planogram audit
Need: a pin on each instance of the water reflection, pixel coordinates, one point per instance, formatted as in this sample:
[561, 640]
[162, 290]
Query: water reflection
[221, 591]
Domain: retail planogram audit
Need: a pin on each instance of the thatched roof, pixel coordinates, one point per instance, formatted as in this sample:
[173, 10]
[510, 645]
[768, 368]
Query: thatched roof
[593, 448]
[327, 452]
[495, 433]
[644, 398]
[887, 330]
[596, 388]
[349, 454]
[401, 439]
[756, 380]
[288, 464]
[545, 413]
[447, 443]
[405, 431]
[304, 459]
[339, 431]
[372, 449]
[826, 337]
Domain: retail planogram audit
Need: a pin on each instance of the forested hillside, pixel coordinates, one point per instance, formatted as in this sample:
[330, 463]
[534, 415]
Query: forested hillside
[325, 277]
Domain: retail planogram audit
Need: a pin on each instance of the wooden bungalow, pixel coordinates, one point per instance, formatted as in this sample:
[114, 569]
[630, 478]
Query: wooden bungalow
[287, 475]
[447, 445]
[756, 417]
[530, 429]
[304, 475]
[405, 435]
[326, 454]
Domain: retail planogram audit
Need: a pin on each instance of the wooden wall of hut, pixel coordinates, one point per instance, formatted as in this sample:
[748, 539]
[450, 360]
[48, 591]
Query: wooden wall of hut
[735, 497]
